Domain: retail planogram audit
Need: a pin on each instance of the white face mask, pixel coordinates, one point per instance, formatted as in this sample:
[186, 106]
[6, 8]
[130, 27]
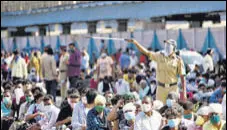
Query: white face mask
[168, 49]
[47, 108]
[146, 107]
[70, 103]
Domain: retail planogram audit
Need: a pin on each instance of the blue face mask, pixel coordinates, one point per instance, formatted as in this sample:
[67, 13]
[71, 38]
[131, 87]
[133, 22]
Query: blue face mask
[173, 123]
[188, 116]
[169, 103]
[215, 119]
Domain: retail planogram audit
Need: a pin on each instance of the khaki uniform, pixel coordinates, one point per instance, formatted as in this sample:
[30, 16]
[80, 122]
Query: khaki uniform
[168, 68]
[63, 67]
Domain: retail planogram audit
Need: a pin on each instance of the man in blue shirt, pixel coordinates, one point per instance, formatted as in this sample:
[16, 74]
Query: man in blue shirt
[124, 60]
[218, 94]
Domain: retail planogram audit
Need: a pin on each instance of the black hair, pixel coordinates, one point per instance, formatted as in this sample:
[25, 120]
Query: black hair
[72, 44]
[83, 91]
[48, 97]
[72, 91]
[115, 99]
[187, 105]
[35, 54]
[50, 51]
[36, 88]
[175, 111]
[91, 95]
[37, 96]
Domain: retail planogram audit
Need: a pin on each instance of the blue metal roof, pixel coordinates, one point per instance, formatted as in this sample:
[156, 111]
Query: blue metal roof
[122, 11]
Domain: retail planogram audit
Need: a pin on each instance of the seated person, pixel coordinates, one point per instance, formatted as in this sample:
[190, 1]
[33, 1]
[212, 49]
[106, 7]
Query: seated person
[35, 110]
[50, 113]
[24, 106]
[65, 115]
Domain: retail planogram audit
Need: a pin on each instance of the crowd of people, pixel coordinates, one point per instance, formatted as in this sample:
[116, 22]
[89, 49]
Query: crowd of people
[124, 91]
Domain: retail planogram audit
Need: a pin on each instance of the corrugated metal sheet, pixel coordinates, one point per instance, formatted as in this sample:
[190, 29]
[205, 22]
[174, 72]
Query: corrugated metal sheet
[122, 11]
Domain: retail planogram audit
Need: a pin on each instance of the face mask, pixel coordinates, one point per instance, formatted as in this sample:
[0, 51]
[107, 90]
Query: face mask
[188, 116]
[199, 121]
[173, 123]
[6, 100]
[70, 103]
[84, 100]
[47, 108]
[168, 49]
[99, 109]
[129, 116]
[146, 107]
[169, 103]
[215, 119]
[29, 99]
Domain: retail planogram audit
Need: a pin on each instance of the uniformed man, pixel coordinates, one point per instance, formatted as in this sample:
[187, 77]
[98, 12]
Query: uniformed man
[63, 67]
[169, 67]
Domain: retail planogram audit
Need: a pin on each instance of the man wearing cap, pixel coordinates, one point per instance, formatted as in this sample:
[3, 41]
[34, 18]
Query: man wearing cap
[74, 64]
[130, 115]
[63, 71]
[215, 122]
[169, 67]
[105, 66]
[202, 118]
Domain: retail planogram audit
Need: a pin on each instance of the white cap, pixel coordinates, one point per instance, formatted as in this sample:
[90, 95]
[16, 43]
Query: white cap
[100, 100]
[203, 111]
[129, 106]
[103, 55]
[157, 105]
[215, 108]
[210, 82]
[171, 41]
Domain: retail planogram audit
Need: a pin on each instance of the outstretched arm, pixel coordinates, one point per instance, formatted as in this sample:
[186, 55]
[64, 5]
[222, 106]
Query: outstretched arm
[139, 46]
[154, 56]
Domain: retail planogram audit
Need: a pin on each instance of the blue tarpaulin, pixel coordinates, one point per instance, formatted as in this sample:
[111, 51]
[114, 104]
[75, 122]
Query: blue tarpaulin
[111, 46]
[76, 45]
[58, 44]
[28, 47]
[2, 45]
[155, 45]
[210, 43]
[42, 45]
[133, 46]
[92, 49]
[181, 43]
[14, 44]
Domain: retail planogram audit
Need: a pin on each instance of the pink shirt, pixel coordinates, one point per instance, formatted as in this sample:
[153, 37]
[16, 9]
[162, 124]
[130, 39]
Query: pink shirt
[104, 65]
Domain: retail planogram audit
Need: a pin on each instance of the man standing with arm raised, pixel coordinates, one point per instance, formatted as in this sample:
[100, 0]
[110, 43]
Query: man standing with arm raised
[169, 67]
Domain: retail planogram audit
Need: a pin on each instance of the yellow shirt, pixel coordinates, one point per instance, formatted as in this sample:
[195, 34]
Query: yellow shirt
[168, 68]
[209, 126]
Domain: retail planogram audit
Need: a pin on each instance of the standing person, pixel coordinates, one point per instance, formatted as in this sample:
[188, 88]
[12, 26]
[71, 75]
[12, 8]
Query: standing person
[133, 59]
[63, 71]
[105, 66]
[35, 63]
[208, 61]
[74, 64]
[49, 73]
[85, 62]
[18, 67]
[125, 60]
[148, 119]
[169, 67]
